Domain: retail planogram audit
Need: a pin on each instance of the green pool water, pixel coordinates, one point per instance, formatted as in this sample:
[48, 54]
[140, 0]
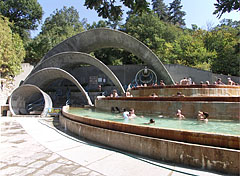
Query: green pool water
[213, 126]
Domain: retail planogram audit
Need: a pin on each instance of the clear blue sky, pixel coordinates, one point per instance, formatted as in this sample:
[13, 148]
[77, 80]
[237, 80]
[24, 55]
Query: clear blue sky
[198, 12]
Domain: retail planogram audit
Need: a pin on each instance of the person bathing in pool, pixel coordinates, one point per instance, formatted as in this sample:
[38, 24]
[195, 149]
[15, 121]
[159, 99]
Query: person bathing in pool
[180, 115]
[203, 116]
[132, 113]
[151, 121]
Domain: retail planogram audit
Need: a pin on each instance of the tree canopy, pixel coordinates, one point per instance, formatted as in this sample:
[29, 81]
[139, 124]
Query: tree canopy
[216, 49]
[161, 9]
[225, 40]
[26, 14]
[223, 6]
[170, 43]
[61, 25]
[112, 9]
[176, 14]
[11, 49]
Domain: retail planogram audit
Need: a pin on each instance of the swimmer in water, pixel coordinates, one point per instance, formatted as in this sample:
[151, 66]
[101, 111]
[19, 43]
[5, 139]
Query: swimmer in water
[179, 115]
[151, 121]
[132, 113]
[203, 116]
[125, 115]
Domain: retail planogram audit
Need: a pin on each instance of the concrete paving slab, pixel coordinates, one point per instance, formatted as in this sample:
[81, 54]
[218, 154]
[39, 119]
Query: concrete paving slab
[85, 155]
[122, 165]
[60, 145]
[30, 157]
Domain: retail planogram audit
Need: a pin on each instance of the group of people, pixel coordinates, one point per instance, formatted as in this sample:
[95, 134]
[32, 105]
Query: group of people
[130, 86]
[184, 81]
[130, 114]
[188, 81]
[229, 82]
[115, 94]
[219, 82]
[202, 116]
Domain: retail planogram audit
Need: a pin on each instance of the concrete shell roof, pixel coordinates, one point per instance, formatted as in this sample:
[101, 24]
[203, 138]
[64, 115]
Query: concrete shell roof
[47, 75]
[66, 58]
[22, 95]
[92, 40]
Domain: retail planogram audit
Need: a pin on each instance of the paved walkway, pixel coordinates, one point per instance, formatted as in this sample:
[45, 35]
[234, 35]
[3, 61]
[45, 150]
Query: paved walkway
[32, 146]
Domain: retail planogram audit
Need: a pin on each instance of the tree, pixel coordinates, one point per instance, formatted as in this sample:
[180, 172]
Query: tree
[99, 24]
[111, 8]
[176, 15]
[170, 43]
[114, 24]
[154, 33]
[160, 9]
[11, 49]
[63, 18]
[61, 25]
[190, 50]
[224, 40]
[26, 14]
[223, 6]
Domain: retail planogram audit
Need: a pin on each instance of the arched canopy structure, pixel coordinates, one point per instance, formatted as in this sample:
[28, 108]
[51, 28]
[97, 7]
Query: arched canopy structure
[92, 40]
[27, 98]
[66, 58]
[47, 75]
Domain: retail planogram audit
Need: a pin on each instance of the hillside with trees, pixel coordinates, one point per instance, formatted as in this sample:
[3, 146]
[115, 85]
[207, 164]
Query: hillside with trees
[158, 25]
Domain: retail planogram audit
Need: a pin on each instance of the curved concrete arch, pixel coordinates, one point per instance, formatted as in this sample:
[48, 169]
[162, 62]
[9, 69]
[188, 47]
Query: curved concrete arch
[94, 39]
[63, 59]
[26, 94]
[47, 75]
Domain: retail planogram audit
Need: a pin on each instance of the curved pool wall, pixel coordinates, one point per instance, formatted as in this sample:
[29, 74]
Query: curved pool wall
[188, 90]
[203, 150]
[224, 108]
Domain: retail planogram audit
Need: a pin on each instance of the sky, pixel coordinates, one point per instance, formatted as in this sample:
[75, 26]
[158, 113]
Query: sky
[198, 12]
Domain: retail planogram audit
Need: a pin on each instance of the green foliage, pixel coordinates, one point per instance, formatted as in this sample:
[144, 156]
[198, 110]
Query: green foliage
[112, 10]
[160, 9]
[225, 40]
[99, 24]
[169, 42]
[61, 25]
[176, 14]
[11, 49]
[154, 33]
[189, 50]
[223, 6]
[61, 19]
[217, 50]
[26, 14]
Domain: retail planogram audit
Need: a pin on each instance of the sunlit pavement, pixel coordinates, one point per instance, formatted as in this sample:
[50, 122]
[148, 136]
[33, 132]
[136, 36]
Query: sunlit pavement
[34, 146]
